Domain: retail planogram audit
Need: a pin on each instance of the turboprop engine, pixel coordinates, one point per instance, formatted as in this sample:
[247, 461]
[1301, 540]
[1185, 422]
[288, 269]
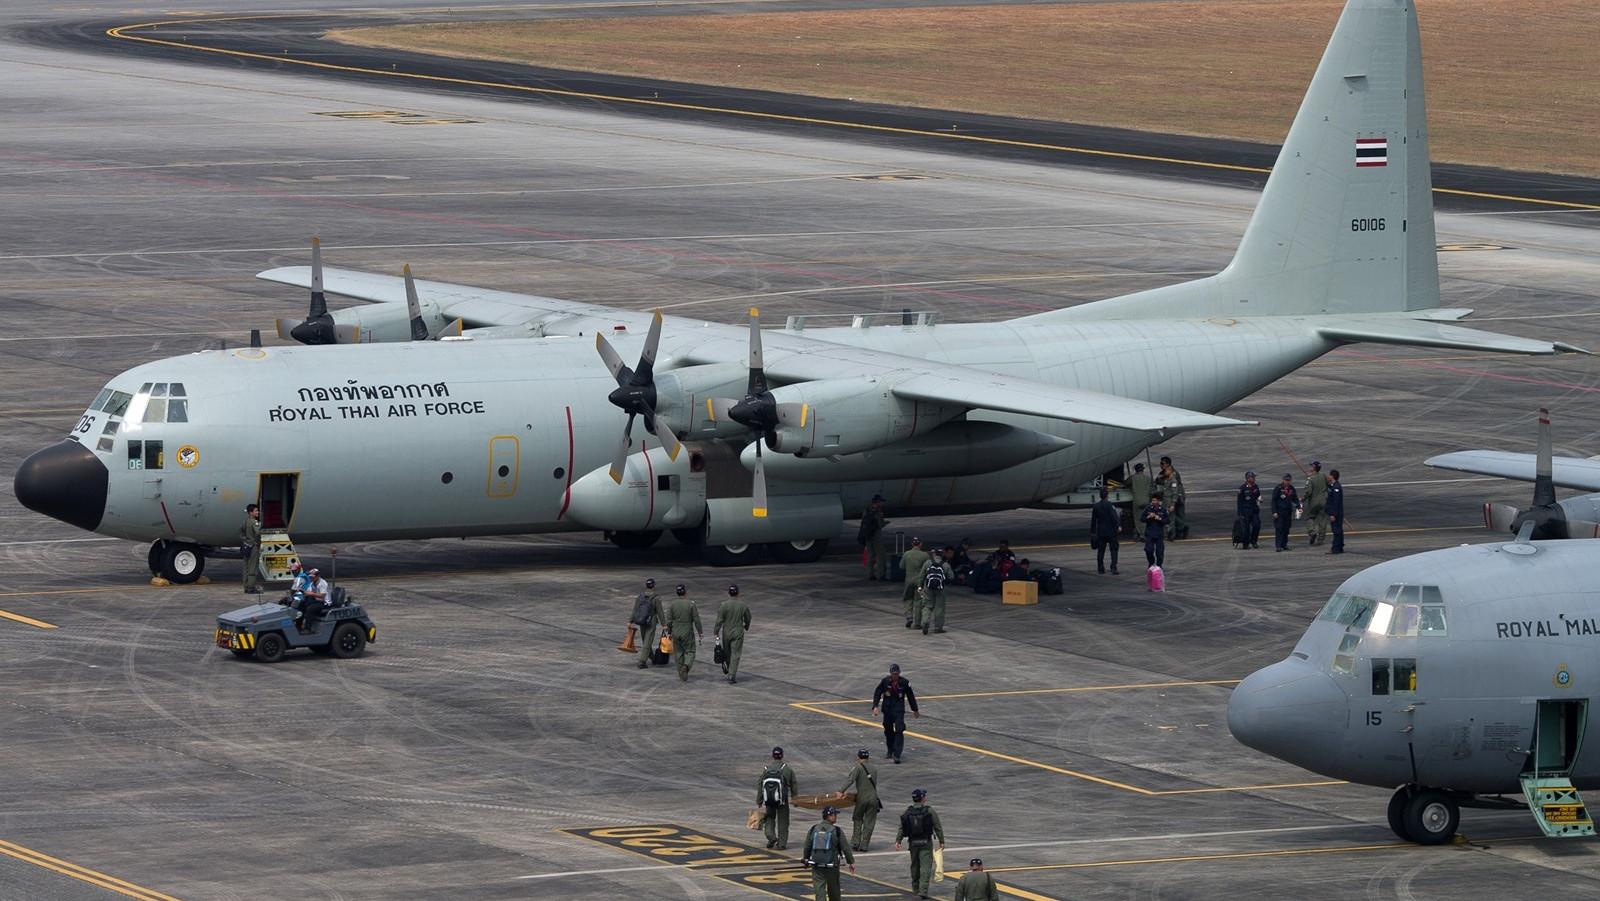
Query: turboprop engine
[848, 416]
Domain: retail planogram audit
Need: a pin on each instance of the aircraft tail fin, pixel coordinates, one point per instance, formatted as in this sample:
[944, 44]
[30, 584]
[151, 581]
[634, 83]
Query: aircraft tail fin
[1345, 223]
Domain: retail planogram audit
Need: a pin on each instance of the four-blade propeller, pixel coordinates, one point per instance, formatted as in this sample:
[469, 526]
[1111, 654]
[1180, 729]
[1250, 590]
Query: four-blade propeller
[759, 411]
[419, 328]
[1546, 518]
[635, 395]
[318, 326]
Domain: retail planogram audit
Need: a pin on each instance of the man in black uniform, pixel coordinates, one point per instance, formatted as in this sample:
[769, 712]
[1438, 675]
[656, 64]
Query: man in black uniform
[1285, 501]
[891, 696]
[1155, 519]
[1249, 510]
[1104, 525]
[1335, 512]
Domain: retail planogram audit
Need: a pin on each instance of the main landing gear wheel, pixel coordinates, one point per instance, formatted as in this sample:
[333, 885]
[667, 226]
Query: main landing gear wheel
[807, 551]
[157, 549]
[731, 554]
[634, 541]
[1397, 811]
[181, 564]
[349, 640]
[1431, 817]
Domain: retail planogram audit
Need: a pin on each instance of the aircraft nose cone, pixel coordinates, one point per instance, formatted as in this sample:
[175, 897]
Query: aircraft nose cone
[65, 481]
[1293, 711]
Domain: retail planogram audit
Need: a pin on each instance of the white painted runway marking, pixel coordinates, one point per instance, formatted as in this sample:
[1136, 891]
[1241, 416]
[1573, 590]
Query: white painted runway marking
[55, 541]
[123, 335]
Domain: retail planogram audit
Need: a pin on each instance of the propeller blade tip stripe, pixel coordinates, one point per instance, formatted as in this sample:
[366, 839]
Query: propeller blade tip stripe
[759, 512]
[754, 312]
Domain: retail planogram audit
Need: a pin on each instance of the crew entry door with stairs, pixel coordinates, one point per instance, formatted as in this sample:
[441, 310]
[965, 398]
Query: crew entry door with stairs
[1547, 777]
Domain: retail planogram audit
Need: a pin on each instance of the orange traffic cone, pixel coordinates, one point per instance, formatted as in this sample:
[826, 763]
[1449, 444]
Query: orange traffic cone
[627, 646]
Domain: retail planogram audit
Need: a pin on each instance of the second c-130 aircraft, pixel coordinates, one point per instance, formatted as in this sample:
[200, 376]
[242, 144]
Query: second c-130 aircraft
[769, 439]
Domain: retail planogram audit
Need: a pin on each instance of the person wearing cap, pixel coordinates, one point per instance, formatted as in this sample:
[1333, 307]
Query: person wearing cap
[1171, 485]
[824, 845]
[1315, 502]
[936, 574]
[1141, 487]
[250, 541]
[1155, 518]
[919, 825]
[313, 597]
[1248, 509]
[1285, 502]
[652, 621]
[683, 622]
[891, 696]
[733, 618]
[863, 780]
[776, 785]
[299, 579]
[976, 885]
[1336, 511]
[912, 562]
[1105, 526]
[870, 536]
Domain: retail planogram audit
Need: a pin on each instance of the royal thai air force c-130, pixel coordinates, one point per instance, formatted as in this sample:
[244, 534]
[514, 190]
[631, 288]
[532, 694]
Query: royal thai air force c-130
[521, 419]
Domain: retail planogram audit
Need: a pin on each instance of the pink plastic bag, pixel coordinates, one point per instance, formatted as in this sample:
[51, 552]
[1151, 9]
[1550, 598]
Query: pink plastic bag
[1155, 579]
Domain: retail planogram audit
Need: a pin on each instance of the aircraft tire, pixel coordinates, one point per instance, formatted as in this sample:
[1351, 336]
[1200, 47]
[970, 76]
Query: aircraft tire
[181, 564]
[1432, 817]
[634, 541]
[1397, 812]
[349, 640]
[808, 551]
[157, 549]
[731, 554]
[271, 647]
[690, 537]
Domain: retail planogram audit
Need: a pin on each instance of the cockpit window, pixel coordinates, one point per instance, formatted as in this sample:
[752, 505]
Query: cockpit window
[1433, 620]
[1348, 610]
[177, 390]
[117, 403]
[159, 389]
[177, 409]
[100, 399]
[156, 409]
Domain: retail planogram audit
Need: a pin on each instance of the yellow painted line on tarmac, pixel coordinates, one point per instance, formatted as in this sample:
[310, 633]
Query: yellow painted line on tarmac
[119, 32]
[1016, 892]
[1046, 691]
[26, 620]
[1195, 858]
[1245, 788]
[82, 874]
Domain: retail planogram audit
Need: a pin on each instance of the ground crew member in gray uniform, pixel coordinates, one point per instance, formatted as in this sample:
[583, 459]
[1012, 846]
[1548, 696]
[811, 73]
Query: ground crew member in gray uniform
[912, 562]
[1105, 526]
[1316, 504]
[1141, 486]
[863, 780]
[683, 622]
[733, 617]
[976, 885]
[824, 844]
[250, 537]
[872, 523]
[1171, 485]
[647, 629]
[936, 574]
[891, 696]
[773, 791]
[918, 826]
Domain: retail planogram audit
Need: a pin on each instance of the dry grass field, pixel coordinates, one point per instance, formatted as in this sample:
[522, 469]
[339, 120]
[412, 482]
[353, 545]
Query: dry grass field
[1513, 85]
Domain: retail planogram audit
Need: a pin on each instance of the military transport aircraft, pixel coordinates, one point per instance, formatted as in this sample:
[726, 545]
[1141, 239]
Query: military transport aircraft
[516, 427]
[1460, 675]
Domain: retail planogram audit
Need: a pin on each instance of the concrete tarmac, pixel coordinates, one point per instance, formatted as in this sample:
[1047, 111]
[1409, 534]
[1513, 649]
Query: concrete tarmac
[493, 743]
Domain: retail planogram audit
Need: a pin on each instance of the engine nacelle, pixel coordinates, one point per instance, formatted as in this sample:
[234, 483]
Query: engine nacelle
[681, 399]
[847, 416]
[389, 322]
[656, 493]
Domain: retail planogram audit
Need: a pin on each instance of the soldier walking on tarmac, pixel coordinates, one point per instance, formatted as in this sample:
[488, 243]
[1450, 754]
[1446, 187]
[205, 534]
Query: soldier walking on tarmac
[774, 788]
[918, 827]
[683, 622]
[648, 616]
[863, 780]
[871, 538]
[1171, 485]
[250, 537]
[1316, 504]
[936, 574]
[733, 618]
[1141, 486]
[976, 885]
[891, 696]
[824, 845]
[912, 562]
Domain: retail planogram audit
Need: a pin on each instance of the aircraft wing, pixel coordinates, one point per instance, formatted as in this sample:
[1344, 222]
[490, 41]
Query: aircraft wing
[1432, 333]
[1567, 472]
[992, 391]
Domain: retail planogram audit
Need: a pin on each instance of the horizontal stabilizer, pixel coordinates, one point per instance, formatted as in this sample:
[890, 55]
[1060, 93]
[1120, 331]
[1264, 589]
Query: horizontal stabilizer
[991, 391]
[1567, 472]
[1428, 333]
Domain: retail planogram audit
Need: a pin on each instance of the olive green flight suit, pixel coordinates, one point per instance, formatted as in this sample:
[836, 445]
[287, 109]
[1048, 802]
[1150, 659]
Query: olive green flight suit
[921, 849]
[1141, 487]
[733, 617]
[977, 885]
[250, 537]
[932, 612]
[825, 877]
[775, 820]
[1172, 493]
[683, 621]
[877, 561]
[912, 561]
[863, 780]
[1315, 502]
[647, 633]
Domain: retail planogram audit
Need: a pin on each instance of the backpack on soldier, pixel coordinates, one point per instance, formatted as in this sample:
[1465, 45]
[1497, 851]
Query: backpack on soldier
[823, 851]
[642, 609]
[772, 789]
[934, 580]
[918, 824]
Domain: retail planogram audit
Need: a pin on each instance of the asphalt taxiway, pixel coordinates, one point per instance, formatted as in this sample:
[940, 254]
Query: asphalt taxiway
[493, 743]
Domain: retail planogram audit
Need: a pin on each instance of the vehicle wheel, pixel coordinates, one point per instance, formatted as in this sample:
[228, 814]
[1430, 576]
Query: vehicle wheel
[688, 537]
[634, 541]
[157, 550]
[1397, 811]
[808, 551]
[349, 640]
[731, 554]
[182, 564]
[1431, 817]
[271, 647]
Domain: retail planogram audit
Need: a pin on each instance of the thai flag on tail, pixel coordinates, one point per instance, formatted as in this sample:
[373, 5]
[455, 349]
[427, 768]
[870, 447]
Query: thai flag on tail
[1372, 152]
